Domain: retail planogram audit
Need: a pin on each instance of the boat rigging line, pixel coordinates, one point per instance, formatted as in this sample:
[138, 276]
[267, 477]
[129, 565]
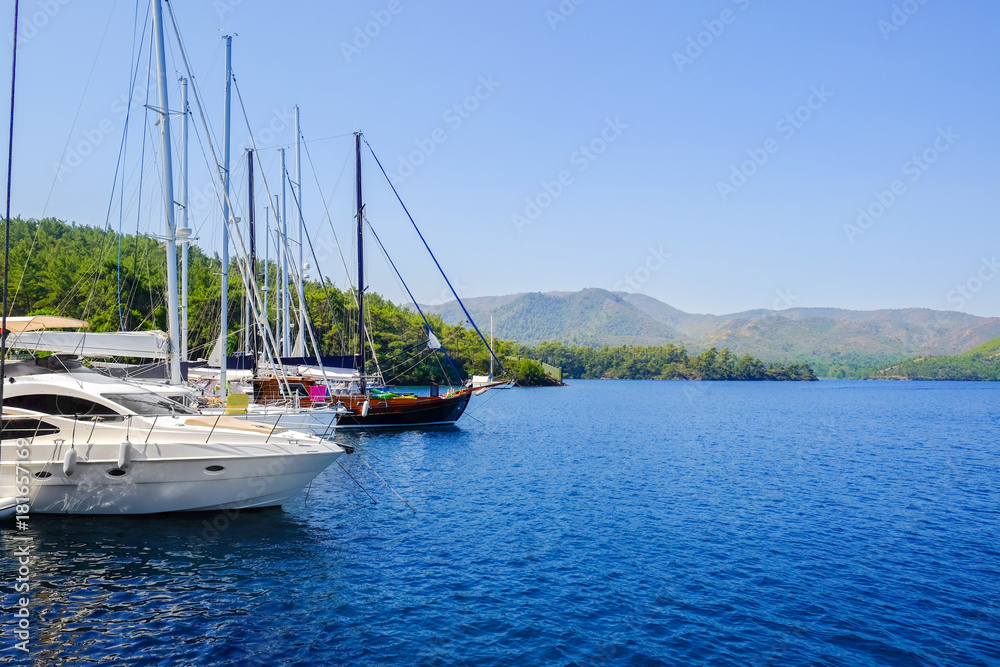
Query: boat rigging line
[299, 269]
[249, 285]
[6, 246]
[374, 502]
[431, 253]
[326, 204]
[122, 151]
[415, 304]
[387, 484]
[86, 87]
[69, 137]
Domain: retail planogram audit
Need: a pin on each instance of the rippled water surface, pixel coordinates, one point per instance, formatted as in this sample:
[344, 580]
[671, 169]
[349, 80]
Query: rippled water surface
[605, 523]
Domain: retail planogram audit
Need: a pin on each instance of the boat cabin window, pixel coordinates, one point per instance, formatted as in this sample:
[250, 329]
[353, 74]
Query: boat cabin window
[149, 404]
[70, 406]
[13, 428]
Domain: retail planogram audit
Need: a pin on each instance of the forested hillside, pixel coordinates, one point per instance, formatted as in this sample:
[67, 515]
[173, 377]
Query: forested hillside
[118, 283]
[668, 362]
[979, 363]
[835, 342]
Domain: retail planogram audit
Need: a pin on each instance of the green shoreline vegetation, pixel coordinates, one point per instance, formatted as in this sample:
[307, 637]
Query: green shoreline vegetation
[73, 270]
[667, 362]
[981, 363]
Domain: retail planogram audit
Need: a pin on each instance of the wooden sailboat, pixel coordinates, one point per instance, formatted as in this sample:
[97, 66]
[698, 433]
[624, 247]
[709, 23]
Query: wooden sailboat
[368, 407]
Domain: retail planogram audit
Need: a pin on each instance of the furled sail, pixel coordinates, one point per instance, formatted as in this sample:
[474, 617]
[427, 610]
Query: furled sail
[138, 344]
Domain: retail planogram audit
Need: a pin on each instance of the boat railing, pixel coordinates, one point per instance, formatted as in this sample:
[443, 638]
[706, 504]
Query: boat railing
[83, 430]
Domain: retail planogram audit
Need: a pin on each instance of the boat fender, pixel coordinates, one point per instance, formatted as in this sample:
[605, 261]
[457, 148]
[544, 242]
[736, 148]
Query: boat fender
[364, 409]
[124, 454]
[69, 463]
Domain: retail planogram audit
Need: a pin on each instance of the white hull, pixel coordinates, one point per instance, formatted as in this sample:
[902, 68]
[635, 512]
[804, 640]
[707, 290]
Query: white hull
[166, 477]
[102, 460]
[164, 485]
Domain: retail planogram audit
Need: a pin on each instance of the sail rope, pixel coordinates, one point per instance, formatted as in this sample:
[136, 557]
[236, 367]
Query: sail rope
[6, 247]
[270, 341]
[319, 270]
[69, 137]
[415, 304]
[326, 204]
[124, 146]
[431, 253]
[76, 117]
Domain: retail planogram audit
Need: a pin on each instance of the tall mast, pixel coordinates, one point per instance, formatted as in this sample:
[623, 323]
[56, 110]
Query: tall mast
[184, 232]
[279, 297]
[267, 264]
[361, 263]
[224, 333]
[6, 247]
[174, 362]
[285, 324]
[252, 230]
[300, 339]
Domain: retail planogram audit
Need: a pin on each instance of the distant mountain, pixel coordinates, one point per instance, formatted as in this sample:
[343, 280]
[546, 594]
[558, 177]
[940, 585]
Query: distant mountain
[979, 363]
[834, 341]
[588, 317]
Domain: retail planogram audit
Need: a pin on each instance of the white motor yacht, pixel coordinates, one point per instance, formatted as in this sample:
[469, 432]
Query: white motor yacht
[89, 444]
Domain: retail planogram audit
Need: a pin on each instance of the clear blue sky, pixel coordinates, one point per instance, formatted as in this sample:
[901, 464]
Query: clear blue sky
[676, 118]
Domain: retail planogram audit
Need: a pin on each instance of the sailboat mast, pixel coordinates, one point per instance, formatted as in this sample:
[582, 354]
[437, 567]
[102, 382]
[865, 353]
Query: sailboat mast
[361, 263]
[253, 255]
[301, 338]
[279, 297]
[184, 233]
[224, 325]
[174, 362]
[6, 246]
[285, 324]
[267, 265]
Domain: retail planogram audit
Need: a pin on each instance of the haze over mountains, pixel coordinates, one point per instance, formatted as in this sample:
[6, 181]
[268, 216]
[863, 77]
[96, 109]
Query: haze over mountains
[831, 339]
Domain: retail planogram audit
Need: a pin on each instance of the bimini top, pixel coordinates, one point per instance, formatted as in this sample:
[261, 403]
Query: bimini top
[36, 322]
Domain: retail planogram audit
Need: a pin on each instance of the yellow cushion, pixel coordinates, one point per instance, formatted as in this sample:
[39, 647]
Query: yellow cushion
[236, 404]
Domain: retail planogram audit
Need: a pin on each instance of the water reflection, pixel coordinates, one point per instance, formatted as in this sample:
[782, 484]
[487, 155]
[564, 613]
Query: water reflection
[98, 583]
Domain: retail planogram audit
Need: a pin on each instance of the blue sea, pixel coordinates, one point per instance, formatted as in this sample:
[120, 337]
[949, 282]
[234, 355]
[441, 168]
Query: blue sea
[603, 523]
